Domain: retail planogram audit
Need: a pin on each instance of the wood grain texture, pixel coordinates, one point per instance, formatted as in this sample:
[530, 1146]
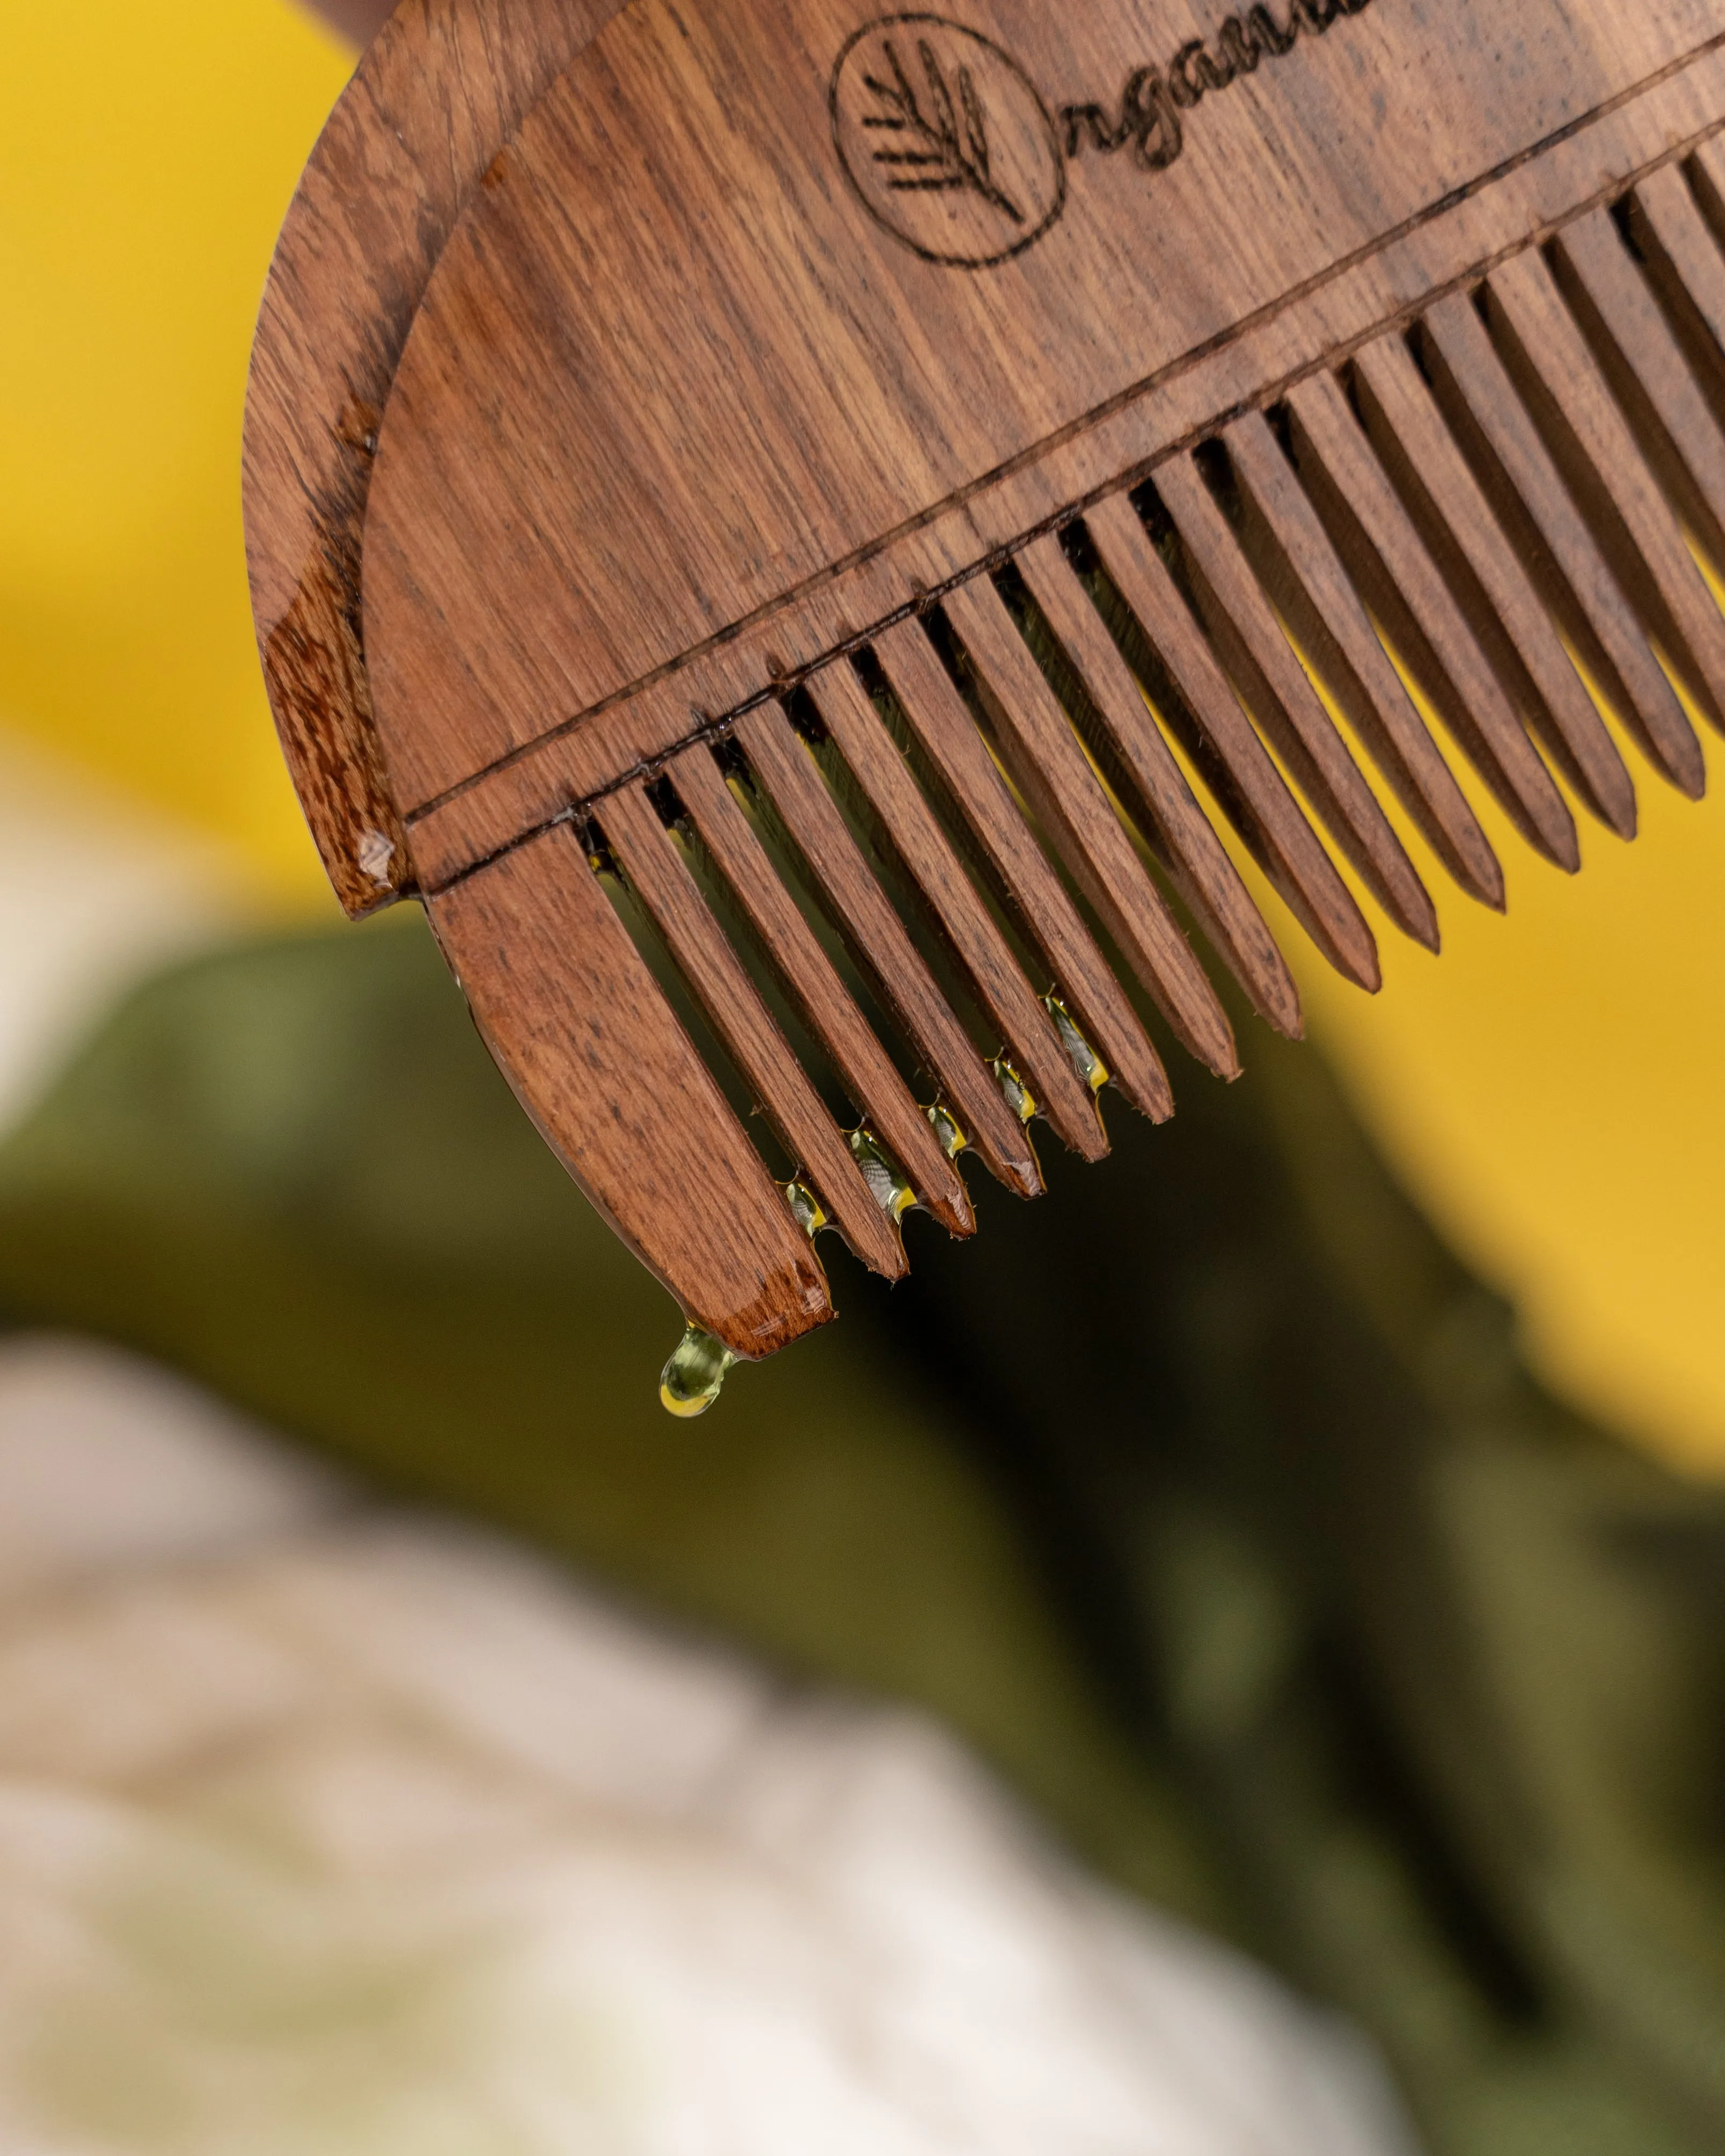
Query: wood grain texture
[1492, 426]
[1590, 439]
[1046, 916]
[1489, 583]
[794, 952]
[1052, 772]
[1277, 693]
[582, 1031]
[1141, 769]
[433, 98]
[879, 942]
[647, 854]
[1401, 583]
[884, 781]
[1302, 574]
[939, 388]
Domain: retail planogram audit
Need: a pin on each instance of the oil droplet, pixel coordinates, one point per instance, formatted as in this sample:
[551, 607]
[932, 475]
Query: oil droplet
[1083, 1058]
[690, 1382]
[947, 1131]
[1017, 1095]
[881, 1173]
[806, 1209]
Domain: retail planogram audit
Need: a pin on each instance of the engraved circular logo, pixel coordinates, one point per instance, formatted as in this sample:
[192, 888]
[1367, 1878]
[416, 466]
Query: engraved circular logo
[946, 141]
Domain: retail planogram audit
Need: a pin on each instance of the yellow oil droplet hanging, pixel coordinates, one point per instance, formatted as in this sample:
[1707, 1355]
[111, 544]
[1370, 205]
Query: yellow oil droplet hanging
[690, 1381]
[949, 1133]
[1090, 1066]
[806, 1208]
[1017, 1094]
[881, 1173]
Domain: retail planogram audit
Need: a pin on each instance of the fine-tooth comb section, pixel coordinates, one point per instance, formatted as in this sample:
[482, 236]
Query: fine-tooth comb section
[1050, 768]
[647, 854]
[841, 697]
[1591, 440]
[1143, 774]
[1686, 269]
[1633, 342]
[1278, 694]
[1482, 569]
[1402, 586]
[1172, 659]
[1303, 574]
[1048, 919]
[834, 861]
[886, 782]
[1551, 535]
[813, 983]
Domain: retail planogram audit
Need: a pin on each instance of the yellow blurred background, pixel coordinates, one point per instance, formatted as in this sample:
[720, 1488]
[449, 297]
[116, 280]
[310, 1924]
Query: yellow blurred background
[1550, 1089]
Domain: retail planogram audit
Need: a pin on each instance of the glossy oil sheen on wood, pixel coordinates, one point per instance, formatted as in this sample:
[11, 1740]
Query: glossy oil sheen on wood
[860, 454]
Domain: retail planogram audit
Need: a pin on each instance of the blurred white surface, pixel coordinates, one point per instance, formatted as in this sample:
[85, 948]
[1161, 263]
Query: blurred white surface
[326, 1827]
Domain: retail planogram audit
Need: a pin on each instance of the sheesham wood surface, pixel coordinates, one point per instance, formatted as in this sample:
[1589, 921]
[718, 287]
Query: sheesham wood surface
[823, 440]
[434, 95]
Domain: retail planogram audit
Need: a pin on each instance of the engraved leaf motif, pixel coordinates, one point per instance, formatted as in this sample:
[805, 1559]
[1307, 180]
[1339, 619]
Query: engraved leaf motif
[939, 149]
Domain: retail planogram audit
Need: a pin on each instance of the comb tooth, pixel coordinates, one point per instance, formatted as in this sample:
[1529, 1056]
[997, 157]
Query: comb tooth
[580, 1027]
[1172, 823]
[787, 776]
[1468, 544]
[1400, 582]
[661, 880]
[815, 986]
[1286, 704]
[1707, 171]
[948, 735]
[1514, 465]
[1067, 798]
[1685, 263]
[1590, 439]
[1646, 367]
[1301, 569]
[1218, 736]
[885, 779]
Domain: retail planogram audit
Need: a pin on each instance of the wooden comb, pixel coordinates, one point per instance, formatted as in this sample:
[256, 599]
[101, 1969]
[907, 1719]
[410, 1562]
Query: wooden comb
[824, 487]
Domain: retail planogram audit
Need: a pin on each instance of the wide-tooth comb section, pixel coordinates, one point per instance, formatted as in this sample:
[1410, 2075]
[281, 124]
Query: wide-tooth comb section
[1401, 585]
[1587, 434]
[581, 1029]
[1685, 263]
[786, 773]
[1517, 472]
[1197, 701]
[1506, 615]
[815, 986]
[886, 782]
[1281, 699]
[1299, 567]
[661, 880]
[1157, 795]
[1646, 367]
[1055, 776]
[1047, 916]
